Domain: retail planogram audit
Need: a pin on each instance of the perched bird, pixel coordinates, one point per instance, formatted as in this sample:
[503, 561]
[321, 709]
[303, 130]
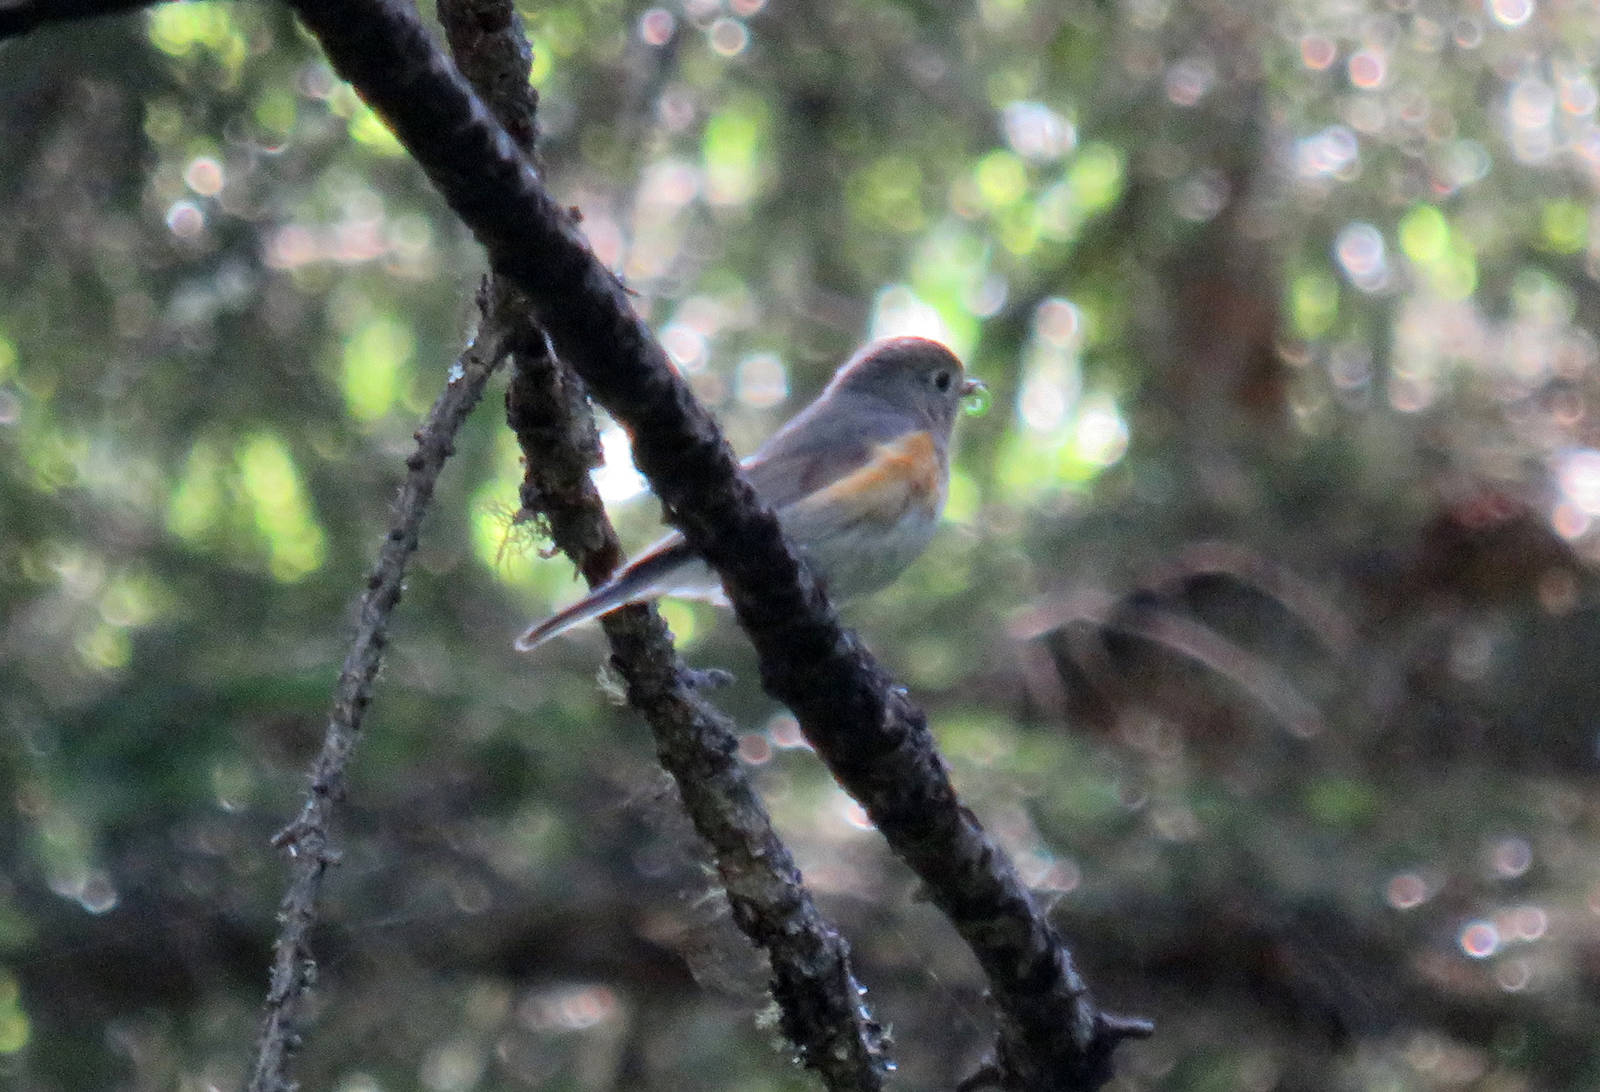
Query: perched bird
[858, 480]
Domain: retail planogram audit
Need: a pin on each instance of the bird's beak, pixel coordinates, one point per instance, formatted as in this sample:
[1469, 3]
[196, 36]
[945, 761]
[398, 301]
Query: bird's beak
[972, 386]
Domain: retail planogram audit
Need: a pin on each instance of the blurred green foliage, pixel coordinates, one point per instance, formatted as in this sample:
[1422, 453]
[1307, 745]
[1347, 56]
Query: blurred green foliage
[1260, 633]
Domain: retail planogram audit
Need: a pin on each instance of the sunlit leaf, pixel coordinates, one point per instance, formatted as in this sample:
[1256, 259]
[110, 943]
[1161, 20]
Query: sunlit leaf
[733, 150]
[282, 513]
[376, 355]
[1564, 226]
[1002, 178]
[1313, 303]
[1425, 235]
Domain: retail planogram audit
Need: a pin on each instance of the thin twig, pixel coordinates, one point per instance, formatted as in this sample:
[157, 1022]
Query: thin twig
[307, 839]
[818, 996]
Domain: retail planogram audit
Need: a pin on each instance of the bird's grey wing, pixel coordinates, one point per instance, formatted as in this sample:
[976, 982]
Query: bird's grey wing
[813, 451]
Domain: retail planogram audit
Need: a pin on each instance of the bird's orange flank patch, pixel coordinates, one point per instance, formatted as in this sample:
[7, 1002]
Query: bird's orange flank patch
[912, 461]
[900, 474]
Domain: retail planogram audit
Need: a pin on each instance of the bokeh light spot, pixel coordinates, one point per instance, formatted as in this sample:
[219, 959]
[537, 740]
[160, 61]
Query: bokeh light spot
[1201, 196]
[1510, 13]
[755, 749]
[181, 30]
[1578, 474]
[761, 381]
[685, 345]
[105, 648]
[1514, 975]
[203, 175]
[1510, 858]
[1313, 303]
[185, 220]
[1002, 179]
[452, 1067]
[1424, 234]
[728, 37]
[1334, 151]
[1564, 226]
[1096, 178]
[375, 358]
[1042, 404]
[1059, 322]
[1317, 51]
[1188, 81]
[733, 151]
[1368, 69]
[1101, 437]
[1479, 939]
[1406, 891]
[1532, 104]
[1528, 924]
[1036, 132]
[656, 26]
[280, 506]
[1569, 521]
[1360, 251]
[900, 312]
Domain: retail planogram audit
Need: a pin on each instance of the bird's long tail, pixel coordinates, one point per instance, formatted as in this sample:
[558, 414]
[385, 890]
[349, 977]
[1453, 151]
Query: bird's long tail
[646, 578]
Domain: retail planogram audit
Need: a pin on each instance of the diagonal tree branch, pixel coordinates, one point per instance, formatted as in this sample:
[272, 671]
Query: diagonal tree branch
[307, 839]
[873, 738]
[815, 987]
[18, 17]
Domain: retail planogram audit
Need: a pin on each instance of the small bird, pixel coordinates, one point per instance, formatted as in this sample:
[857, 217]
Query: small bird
[858, 479]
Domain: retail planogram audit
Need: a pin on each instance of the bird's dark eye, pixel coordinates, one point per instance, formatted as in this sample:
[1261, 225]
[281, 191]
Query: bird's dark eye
[942, 380]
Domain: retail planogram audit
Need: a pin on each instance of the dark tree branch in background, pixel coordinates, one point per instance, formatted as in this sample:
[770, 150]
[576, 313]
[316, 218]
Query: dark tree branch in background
[815, 987]
[874, 739]
[18, 17]
[307, 838]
